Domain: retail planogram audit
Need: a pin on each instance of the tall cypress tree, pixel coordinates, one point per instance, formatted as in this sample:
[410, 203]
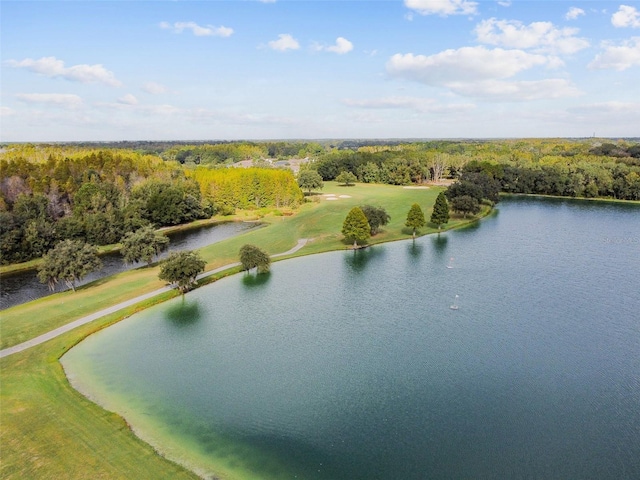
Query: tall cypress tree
[356, 228]
[415, 218]
[440, 214]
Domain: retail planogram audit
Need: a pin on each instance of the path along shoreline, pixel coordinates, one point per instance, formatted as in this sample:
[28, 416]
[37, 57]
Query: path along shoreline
[106, 311]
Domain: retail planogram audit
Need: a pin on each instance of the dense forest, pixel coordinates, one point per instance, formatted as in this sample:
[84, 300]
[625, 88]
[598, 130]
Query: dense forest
[51, 194]
[99, 192]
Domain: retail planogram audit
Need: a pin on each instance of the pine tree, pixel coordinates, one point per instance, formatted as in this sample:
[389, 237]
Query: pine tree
[356, 228]
[440, 214]
[415, 218]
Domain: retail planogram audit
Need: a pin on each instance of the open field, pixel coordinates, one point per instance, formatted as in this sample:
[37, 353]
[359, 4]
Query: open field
[51, 431]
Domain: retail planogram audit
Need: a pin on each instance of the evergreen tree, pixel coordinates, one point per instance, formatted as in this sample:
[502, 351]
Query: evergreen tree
[182, 269]
[440, 214]
[415, 218]
[254, 257]
[356, 228]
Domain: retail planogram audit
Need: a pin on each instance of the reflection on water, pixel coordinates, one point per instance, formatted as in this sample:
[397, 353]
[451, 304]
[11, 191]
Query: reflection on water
[183, 314]
[358, 260]
[255, 279]
[352, 365]
[24, 286]
[415, 249]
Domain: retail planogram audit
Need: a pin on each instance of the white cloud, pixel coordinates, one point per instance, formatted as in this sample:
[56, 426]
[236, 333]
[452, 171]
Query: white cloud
[128, 99]
[540, 36]
[422, 105]
[197, 30]
[6, 112]
[504, 3]
[510, 91]
[609, 108]
[481, 72]
[52, 67]
[573, 13]
[618, 57]
[626, 16]
[442, 7]
[467, 64]
[154, 88]
[64, 100]
[284, 42]
[341, 46]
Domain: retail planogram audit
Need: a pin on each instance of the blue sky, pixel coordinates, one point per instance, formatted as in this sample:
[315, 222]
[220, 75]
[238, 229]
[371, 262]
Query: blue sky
[287, 69]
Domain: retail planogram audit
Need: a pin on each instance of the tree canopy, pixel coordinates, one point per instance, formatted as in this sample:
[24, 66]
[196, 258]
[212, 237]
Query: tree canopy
[376, 216]
[254, 257]
[355, 228]
[69, 261]
[346, 178]
[142, 245]
[310, 180]
[440, 214]
[181, 269]
[465, 204]
[415, 218]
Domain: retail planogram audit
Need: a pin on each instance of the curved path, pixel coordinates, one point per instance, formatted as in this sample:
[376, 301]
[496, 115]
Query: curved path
[94, 316]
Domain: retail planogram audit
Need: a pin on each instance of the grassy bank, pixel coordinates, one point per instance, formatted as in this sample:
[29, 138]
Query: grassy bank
[51, 431]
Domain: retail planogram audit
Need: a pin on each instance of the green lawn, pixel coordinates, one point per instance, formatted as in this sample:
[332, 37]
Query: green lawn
[48, 430]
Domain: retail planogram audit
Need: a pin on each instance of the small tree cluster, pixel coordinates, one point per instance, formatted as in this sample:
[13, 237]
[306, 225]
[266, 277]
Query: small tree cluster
[254, 257]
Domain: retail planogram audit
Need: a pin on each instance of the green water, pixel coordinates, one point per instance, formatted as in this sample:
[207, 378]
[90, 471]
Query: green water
[353, 365]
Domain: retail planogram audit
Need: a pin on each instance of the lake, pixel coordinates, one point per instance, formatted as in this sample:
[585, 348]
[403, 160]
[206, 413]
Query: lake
[352, 365]
[22, 287]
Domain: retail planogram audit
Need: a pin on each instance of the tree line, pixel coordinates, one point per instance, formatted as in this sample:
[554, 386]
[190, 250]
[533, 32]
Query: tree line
[98, 197]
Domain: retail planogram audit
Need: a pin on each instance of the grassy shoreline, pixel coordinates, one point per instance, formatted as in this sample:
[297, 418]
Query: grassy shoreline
[51, 430]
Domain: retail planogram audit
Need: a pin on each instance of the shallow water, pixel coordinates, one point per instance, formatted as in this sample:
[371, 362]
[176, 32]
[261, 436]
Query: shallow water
[353, 366]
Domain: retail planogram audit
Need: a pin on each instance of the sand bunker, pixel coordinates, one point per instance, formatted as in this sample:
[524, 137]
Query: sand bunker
[417, 188]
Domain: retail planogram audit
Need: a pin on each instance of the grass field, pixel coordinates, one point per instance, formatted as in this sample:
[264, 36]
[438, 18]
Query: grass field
[48, 430]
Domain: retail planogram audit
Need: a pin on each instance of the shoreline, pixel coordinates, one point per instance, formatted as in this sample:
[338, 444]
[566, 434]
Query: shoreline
[57, 349]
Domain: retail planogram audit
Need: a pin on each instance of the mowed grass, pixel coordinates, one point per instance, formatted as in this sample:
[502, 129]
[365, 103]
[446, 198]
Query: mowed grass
[49, 430]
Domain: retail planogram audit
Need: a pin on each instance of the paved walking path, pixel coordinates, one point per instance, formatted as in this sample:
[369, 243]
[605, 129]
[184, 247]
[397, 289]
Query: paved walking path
[94, 316]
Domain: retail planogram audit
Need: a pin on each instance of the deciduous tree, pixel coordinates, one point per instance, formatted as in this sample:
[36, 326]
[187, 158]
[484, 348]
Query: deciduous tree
[254, 257]
[310, 180]
[181, 269]
[355, 228]
[346, 178]
[465, 204]
[415, 218]
[142, 245]
[376, 216]
[69, 261]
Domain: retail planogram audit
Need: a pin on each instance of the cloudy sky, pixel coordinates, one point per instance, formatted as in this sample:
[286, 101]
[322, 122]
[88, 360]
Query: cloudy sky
[305, 69]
